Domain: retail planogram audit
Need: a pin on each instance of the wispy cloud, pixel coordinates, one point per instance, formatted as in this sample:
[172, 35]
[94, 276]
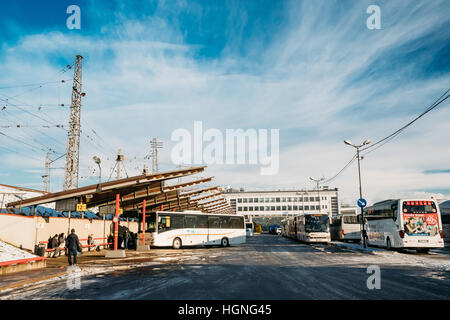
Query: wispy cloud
[311, 69]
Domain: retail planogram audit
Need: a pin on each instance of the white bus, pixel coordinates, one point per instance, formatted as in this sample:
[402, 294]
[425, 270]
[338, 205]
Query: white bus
[288, 227]
[249, 229]
[404, 224]
[313, 227]
[181, 229]
[346, 226]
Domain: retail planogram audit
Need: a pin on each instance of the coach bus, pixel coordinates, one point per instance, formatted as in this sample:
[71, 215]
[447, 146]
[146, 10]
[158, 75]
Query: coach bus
[313, 227]
[345, 226]
[182, 229]
[289, 227]
[404, 224]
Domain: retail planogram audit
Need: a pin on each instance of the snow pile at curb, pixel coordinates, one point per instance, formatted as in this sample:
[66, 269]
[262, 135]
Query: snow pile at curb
[358, 247]
[9, 252]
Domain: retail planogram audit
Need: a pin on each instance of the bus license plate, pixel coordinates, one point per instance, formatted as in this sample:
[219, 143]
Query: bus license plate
[423, 241]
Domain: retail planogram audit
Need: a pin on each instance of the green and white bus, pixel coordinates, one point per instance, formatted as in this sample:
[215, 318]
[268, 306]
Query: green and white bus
[182, 229]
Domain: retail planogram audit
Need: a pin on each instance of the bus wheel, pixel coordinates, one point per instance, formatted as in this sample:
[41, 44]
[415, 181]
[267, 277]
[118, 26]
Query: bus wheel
[225, 242]
[176, 243]
[388, 244]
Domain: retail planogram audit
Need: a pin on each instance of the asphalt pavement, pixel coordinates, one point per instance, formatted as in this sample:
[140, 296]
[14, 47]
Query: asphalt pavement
[265, 267]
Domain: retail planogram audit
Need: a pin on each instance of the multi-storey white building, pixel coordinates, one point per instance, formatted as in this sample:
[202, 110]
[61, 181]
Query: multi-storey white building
[276, 203]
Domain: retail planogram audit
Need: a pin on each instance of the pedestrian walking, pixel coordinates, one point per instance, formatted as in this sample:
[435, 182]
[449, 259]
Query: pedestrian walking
[73, 246]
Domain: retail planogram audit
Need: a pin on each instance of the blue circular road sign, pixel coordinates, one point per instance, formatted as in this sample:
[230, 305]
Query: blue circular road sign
[362, 203]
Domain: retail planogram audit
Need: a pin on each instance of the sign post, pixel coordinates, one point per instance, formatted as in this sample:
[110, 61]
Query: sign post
[362, 203]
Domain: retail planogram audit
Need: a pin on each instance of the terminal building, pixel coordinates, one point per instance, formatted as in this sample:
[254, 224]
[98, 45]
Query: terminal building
[283, 203]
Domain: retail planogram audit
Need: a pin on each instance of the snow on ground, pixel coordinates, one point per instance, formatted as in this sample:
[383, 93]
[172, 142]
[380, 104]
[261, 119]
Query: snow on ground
[431, 260]
[9, 252]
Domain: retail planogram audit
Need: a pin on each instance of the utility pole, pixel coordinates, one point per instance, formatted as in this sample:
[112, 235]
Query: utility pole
[119, 159]
[357, 147]
[317, 181]
[154, 154]
[46, 176]
[73, 135]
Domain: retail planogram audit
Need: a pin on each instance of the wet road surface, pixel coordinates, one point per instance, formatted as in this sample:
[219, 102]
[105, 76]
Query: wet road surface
[266, 267]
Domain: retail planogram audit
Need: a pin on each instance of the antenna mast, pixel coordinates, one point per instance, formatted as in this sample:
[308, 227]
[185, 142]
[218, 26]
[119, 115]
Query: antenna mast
[73, 138]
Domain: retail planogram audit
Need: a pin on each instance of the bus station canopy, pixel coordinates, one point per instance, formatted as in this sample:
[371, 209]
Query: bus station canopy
[133, 191]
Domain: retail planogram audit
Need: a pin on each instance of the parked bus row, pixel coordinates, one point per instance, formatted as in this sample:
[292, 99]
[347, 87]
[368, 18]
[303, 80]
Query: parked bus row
[392, 224]
[307, 227]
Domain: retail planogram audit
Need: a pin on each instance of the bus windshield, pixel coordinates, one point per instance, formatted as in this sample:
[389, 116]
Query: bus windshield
[316, 223]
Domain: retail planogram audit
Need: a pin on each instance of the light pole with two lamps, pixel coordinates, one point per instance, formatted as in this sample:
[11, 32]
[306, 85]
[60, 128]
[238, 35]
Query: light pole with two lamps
[317, 181]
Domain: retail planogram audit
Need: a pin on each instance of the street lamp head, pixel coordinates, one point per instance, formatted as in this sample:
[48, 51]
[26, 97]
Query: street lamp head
[348, 142]
[311, 178]
[367, 142]
[97, 159]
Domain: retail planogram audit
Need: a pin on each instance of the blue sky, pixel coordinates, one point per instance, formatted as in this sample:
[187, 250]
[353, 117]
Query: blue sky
[309, 68]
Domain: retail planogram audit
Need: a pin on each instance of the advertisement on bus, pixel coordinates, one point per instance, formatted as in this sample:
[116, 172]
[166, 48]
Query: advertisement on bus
[420, 218]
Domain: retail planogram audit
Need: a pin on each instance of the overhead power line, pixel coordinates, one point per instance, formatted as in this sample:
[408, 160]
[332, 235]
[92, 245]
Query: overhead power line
[394, 134]
[388, 138]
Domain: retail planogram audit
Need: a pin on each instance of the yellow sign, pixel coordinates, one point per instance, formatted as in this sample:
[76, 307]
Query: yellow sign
[120, 211]
[81, 207]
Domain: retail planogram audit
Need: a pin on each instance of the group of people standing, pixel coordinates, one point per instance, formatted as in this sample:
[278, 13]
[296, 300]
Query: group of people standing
[125, 239]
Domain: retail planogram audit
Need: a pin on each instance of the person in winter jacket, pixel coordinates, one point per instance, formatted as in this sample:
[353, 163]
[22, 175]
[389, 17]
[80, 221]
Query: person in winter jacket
[72, 244]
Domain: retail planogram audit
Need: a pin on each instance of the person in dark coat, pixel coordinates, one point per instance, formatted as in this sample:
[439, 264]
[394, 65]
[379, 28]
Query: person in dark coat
[111, 241]
[72, 244]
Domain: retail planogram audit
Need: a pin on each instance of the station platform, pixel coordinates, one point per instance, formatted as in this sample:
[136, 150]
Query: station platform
[56, 267]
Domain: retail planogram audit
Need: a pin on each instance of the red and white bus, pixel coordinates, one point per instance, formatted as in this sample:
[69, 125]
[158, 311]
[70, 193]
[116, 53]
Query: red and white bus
[404, 224]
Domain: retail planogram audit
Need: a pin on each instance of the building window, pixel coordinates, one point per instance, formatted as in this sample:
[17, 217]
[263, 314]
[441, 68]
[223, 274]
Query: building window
[245, 209]
[250, 200]
[239, 200]
[311, 199]
[261, 208]
[278, 208]
[272, 208]
[317, 207]
[250, 208]
[255, 200]
[306, 207]
[244, 200]
[283, 199]
[261, 200]
[267, 208]
[289, 207]
[283, 208]
[239, 208]
[267, 200]
[295, 207]
[317, 199]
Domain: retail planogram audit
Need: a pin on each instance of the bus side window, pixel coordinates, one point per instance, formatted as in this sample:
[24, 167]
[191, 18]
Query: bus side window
[394, 208]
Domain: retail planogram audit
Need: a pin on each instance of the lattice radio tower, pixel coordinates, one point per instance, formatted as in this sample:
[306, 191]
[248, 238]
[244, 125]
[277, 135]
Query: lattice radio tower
[154, 153]
[73, 137]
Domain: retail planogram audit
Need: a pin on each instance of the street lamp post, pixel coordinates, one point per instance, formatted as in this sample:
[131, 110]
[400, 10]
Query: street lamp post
[317, 181]
[357, 147]
[98, 161]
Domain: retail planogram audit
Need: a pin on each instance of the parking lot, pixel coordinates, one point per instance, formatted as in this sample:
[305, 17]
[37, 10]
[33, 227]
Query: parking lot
[265, 267]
